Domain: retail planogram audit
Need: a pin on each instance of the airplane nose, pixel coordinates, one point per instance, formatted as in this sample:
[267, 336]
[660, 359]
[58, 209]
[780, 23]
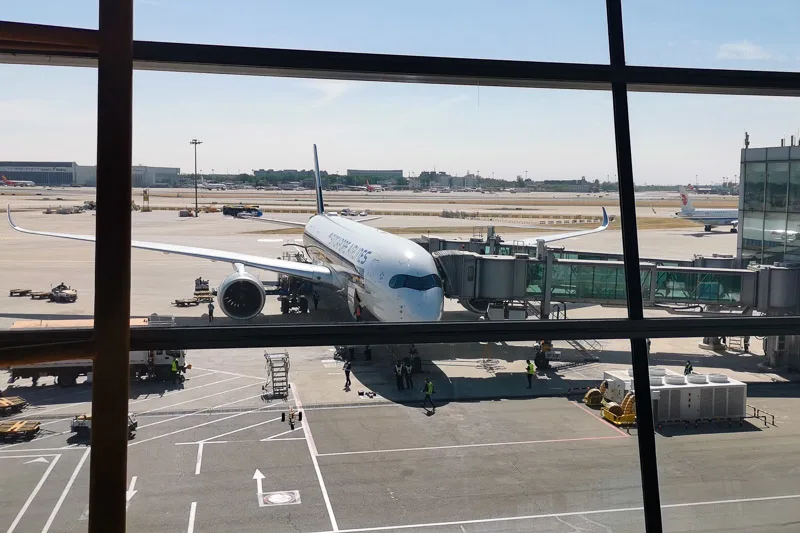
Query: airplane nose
[427, 307]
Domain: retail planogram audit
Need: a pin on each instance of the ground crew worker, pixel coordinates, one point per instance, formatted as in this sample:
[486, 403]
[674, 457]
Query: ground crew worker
[358, 312]
[407, 372]
[428, 390]
[747, 344]
[347, 366]
[174, 370]
[315, 297]
[688, 369]
[531, 371]
[398, 374]
[211, 311]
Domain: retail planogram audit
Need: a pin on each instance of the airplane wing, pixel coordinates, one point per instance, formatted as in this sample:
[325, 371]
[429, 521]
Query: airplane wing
[559, 236]
[316, 273]
[278, 221]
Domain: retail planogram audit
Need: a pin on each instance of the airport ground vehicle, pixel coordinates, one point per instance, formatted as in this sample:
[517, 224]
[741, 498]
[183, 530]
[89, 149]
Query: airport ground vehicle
[152, 364]
[236, 210]
[61, 293]
[82, 426]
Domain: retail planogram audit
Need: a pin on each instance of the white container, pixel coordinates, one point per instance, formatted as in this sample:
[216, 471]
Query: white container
[718, 378]
[656, 380]
[674, 380]
[697, 378]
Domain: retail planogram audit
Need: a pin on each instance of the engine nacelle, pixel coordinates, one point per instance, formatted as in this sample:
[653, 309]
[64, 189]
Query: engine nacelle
[241, 295]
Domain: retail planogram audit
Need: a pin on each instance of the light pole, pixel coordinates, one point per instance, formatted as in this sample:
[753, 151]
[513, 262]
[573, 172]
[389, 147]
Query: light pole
[195, 142]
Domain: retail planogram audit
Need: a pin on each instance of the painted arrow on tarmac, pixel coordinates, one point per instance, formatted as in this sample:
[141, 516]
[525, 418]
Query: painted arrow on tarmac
[37, 460]
[258, 476]
[130, 493]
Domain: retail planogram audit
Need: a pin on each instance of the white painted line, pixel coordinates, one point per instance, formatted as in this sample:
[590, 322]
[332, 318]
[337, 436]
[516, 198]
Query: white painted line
[482, 445]
[259, 378]
[33, 494]
[172, 393]
[33, 412]
[284, 433]
[192, 400]
[312, 448]
[27, 456]
[192, 513]
[204, 410]
[240, 429]
[565, 514]
[199, 458]
[606, 424]
[43, 449]
[196, 426]
[64, 493]
[196, 443]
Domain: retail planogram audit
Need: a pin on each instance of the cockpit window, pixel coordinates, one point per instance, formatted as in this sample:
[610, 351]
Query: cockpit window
[418, 283]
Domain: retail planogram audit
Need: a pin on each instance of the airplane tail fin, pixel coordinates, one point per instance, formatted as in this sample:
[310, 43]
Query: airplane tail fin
[686, 202]
[318, 184]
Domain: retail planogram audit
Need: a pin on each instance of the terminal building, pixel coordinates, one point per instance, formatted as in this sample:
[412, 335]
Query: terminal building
[388, 175]
[769, 205]
[67, 174]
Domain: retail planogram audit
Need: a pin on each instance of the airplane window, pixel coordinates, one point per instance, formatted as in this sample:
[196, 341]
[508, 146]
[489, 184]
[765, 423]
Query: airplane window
[418, 283]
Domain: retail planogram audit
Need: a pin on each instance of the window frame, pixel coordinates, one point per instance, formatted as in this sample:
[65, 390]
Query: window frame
[113, 52]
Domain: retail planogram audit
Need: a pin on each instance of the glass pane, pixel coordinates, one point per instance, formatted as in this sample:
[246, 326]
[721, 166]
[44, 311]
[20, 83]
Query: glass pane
[754, 179]
[752, 228]
[777, 185]
[794, 187]
[677, 35]
[774, 237]
[48, 138]
[793, 238]
[721, 398]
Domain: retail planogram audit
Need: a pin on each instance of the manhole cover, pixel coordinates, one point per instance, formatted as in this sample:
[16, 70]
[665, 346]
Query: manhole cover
[284, 497]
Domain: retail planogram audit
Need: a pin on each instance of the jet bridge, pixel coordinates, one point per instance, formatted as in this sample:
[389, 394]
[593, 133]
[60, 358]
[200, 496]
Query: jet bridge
[473, 279]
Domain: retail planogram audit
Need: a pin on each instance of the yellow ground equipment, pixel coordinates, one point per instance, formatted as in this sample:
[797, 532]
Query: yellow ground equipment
[18, 429]
[621, 414]
[12, 404]
[594, 397]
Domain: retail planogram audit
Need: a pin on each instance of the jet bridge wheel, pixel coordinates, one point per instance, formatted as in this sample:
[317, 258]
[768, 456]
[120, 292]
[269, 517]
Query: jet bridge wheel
[475, 305]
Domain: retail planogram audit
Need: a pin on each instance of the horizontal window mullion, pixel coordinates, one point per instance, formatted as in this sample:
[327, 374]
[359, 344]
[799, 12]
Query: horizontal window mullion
[421, 333]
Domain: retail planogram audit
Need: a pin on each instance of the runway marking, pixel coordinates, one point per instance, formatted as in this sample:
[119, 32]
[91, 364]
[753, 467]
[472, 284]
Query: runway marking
[284, 433]
[199, 458]
[197, 399]
[37, 413]
[312, 448]
[231, 373]
[197, 426]
[66, 490]
[173, 393]
[205, 409]
[39, 450]
[484, 445]
[240, 429]
[590, 413]
[192, 513]
[28, 456]
[565, 514]
[33, 494]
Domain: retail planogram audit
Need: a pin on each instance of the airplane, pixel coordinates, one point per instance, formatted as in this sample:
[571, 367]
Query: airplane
[17, 183]
[710, 218]
[391, 277]
[212, 186]
[374, 188]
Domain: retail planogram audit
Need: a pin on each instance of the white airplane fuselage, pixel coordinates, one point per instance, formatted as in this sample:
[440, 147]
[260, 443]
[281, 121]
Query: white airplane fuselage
[395, 279]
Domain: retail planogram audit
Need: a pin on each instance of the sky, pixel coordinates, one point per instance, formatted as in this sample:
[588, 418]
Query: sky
[246, 122]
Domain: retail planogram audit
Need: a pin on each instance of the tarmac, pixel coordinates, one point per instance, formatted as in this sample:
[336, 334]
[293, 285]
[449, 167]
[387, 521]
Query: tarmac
[213, 453]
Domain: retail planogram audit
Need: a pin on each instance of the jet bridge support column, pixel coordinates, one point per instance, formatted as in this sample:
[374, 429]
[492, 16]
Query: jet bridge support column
[547, 282]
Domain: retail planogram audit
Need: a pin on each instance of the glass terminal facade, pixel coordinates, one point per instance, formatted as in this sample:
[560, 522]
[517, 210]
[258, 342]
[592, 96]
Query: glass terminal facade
[769, 206]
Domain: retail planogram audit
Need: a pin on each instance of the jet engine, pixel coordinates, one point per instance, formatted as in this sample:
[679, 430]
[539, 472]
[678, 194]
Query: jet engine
[241, 295]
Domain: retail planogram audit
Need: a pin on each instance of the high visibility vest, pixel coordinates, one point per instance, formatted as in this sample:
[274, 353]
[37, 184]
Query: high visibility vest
[358, 311]
[398, 369]
[408, 369]
[531, 368]
[429, 387]
[174, 365]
